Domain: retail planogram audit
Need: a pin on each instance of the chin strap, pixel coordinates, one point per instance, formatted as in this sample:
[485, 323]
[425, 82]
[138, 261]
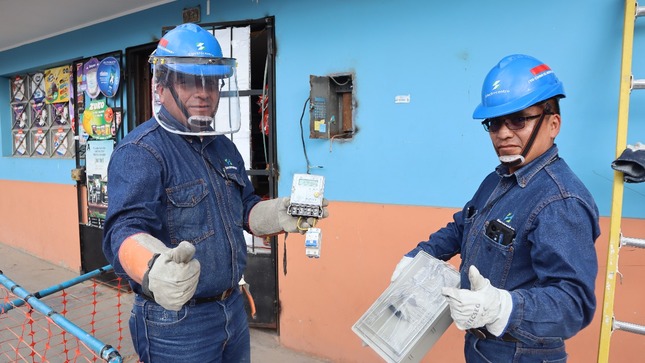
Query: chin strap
[511, 160]
[515, 160]
[180, 104]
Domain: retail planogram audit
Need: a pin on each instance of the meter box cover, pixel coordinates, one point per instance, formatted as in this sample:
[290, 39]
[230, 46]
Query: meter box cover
[411, 314]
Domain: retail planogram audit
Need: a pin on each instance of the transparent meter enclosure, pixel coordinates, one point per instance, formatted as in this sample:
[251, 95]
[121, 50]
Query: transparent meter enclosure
[306, 196]
[411, 314]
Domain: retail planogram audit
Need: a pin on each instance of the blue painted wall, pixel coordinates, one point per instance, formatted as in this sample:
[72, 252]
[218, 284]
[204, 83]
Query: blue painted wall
[428, 152]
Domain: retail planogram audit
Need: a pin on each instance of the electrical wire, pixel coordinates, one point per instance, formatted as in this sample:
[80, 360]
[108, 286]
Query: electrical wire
[264, 106]
[340, 84]
[300, 219]
[302, 136]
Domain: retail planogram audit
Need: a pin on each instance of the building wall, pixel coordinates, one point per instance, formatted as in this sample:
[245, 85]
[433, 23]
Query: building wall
[408, 167]
[41, 219]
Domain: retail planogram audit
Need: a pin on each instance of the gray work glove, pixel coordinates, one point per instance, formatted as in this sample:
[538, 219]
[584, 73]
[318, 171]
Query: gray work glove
[482, 305]
[270, 217]
[172, 276]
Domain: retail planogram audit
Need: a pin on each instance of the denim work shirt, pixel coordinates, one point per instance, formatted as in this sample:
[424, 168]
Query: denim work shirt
[181, 188]
[550, 267]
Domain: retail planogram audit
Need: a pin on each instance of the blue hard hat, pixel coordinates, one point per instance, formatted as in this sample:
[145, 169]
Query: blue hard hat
[518, 81]
[192, 41]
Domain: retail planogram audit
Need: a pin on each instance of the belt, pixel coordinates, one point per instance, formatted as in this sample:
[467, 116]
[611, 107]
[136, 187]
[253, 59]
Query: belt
[221, 297]
[200, 300]
[483, 333]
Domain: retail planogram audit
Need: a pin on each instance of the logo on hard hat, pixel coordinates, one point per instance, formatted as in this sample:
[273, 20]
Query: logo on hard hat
[163, 44]
[539, 72]
[495, 91]
[200, 46]
[539, 69]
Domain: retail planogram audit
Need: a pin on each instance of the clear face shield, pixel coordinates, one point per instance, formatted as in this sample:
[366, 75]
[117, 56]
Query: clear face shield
[200, 95]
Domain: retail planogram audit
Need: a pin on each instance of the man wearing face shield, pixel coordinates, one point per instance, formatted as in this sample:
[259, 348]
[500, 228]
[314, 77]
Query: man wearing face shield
[180, 200]
[526, 238]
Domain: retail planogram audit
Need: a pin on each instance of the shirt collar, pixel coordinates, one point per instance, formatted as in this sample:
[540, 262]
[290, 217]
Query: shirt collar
[526, 172]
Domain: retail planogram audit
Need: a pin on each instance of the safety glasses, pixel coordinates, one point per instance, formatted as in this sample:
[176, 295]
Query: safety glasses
[513, 122]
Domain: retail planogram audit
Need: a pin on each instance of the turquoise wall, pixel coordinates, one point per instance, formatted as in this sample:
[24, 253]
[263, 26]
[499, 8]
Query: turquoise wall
[429, 152]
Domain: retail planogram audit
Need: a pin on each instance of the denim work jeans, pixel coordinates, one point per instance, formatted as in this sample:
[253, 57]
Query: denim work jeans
[494, 351]
[214, 332]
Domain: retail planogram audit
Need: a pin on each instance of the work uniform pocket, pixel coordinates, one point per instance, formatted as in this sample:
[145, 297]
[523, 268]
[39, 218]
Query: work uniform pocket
[493, 260]
[190, 215]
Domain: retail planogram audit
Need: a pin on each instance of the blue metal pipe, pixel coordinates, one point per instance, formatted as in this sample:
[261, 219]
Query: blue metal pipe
[104, 351]
[56, 288]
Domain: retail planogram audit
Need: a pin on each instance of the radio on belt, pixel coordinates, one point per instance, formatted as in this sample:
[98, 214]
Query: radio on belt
[306, 202]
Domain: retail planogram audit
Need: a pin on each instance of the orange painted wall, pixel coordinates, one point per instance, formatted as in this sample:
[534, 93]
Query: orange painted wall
[42, 220]
[362, 243]
[322, 298]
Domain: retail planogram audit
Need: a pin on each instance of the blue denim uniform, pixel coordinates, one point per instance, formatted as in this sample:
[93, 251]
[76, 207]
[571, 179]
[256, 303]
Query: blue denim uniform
[181, 188]
[550, 267]
[216, 332]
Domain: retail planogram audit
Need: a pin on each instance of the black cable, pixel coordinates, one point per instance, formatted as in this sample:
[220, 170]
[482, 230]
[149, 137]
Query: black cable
[302, 134]
[284, 256]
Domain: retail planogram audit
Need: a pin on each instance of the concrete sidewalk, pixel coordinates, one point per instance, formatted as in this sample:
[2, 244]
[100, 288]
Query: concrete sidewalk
[34, 274]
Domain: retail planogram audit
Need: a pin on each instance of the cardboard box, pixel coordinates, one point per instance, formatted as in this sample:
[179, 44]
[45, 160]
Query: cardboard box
[411, 314]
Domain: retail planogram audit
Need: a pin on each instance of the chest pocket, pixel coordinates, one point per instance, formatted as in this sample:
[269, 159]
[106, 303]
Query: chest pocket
[491, 258]
[190, 215]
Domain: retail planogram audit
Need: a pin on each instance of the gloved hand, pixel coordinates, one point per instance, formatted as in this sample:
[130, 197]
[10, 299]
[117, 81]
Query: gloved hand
[405, 261]
[270, 217]
[172, 276]
[482, 305]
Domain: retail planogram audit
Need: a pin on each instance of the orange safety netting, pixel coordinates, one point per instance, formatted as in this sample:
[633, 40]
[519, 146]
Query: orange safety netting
[26, 335]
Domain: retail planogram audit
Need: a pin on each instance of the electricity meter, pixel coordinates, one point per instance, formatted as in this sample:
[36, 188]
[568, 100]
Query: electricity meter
[306, 196]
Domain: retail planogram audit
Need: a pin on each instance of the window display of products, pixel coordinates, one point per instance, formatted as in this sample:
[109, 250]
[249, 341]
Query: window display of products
[41, 118]
[44, 108]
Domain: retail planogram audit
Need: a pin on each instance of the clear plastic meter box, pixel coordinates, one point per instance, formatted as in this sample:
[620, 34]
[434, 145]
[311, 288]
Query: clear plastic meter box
[411, 314]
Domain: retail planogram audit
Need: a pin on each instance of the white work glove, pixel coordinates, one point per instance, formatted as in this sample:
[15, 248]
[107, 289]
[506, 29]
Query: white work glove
[482, 305]
[405, 261]
[270, 217]
[172, 276]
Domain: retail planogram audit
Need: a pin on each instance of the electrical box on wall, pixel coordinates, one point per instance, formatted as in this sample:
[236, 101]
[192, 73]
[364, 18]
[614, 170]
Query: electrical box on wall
[331, 106]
